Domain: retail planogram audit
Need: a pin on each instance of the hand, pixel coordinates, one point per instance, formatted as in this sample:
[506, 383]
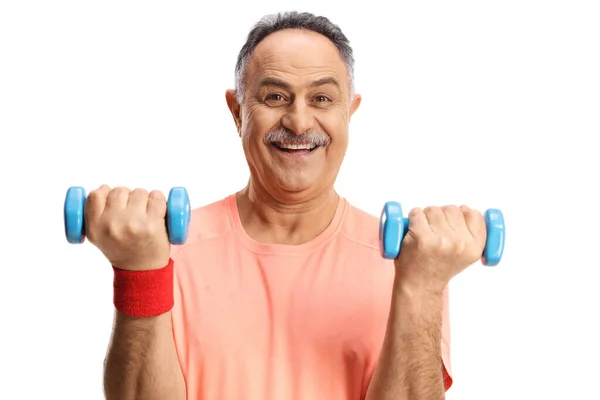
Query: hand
[128, 227]
[440, 243]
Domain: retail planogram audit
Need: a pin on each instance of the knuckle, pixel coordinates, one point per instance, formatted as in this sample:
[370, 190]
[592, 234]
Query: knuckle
[113, 229]
[448, 244]
[134, 228]
[416, 214]
[156, 195]
[434, 211]
[95, 195]
[451, 209]
[473, 213]
[137, 228]
[460, 245]
[140, 192]
[474, 218]
[118, 193]
[120, 190]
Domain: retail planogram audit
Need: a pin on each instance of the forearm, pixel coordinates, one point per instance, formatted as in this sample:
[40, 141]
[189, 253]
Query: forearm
[410, 365]
[141, 361]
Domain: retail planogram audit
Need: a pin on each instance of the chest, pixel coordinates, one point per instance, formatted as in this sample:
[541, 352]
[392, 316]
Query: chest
[290, 308]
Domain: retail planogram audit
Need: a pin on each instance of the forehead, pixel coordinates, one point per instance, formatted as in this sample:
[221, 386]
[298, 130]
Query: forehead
[296, 55]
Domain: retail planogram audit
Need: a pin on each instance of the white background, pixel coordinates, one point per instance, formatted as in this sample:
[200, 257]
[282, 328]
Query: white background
[492, 104]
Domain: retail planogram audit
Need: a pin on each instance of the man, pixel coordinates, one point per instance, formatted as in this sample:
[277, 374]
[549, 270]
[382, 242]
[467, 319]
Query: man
[280, 291]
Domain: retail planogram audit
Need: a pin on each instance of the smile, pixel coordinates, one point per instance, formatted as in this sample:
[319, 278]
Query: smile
[301, 148]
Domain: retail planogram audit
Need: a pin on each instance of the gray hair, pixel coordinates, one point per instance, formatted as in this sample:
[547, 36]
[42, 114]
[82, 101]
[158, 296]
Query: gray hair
[291, 20]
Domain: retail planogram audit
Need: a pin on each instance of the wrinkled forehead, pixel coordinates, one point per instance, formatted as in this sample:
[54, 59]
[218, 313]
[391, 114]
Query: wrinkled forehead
[299, 57]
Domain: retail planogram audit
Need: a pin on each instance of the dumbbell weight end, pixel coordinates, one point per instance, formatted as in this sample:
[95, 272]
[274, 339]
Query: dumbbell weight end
[74, 216]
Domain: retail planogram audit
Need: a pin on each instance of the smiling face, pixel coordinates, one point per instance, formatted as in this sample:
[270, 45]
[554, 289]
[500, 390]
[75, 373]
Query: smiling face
[295, 114]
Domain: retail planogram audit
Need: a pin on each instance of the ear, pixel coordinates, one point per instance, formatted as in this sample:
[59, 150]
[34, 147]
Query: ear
[355, 103]
[235, 109]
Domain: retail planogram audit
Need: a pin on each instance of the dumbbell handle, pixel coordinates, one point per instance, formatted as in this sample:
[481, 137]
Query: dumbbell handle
[394, 227]
[177, 216]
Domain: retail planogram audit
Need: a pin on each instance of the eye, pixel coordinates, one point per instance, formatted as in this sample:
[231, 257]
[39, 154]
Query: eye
[274, 97]
[322, 99]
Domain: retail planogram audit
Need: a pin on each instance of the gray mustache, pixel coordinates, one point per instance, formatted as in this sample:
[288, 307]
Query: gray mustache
[284, 136]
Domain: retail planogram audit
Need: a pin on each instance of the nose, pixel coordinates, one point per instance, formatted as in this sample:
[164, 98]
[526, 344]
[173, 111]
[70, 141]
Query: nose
[299, 118]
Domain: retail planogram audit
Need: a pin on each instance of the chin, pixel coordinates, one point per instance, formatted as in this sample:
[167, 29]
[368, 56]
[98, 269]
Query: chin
[295, 187]
[298, 184]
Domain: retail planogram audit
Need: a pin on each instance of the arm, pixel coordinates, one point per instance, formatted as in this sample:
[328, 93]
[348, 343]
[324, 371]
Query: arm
[440, 243]
[410, 366]
[141, 361]
[129, 228]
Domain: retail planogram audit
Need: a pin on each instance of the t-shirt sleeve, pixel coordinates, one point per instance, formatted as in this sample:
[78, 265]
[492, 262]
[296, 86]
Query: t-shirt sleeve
[176, 314]
[446, 362]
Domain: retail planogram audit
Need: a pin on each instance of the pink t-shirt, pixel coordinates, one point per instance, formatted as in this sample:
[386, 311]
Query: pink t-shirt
[259, 321]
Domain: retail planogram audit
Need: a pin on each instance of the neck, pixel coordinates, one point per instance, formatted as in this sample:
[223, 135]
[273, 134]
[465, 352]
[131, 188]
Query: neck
[293, 220]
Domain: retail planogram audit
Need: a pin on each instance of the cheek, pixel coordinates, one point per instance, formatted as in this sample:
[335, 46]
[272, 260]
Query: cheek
[253, 131]
[256, 122]
[337, 127]
[250, 130]
[247, 125]
[337, 150]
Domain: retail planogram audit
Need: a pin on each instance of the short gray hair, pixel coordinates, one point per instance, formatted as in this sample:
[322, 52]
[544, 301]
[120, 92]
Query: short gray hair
[291, 20]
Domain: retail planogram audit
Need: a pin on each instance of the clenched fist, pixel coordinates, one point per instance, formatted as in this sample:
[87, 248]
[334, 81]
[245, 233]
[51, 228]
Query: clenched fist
[441, 242]
[128, 227]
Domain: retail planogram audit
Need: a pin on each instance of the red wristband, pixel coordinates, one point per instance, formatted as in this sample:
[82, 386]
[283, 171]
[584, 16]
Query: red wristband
[144, 293]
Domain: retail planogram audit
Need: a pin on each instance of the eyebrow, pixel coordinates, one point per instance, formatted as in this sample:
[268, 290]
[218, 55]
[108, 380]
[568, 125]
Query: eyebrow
[272, 81]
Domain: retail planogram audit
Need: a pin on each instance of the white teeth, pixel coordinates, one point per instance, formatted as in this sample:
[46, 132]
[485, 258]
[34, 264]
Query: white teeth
[297, 146]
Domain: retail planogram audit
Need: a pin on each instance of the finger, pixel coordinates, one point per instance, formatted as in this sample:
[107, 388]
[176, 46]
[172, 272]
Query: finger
[95, 203]
[455, 219]
[157, 204]
[417, 222]
[117, 199]
[475, 224]
[138, 201]
[436, 219]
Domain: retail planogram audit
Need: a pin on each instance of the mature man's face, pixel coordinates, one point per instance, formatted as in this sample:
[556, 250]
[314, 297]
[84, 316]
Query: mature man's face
[295, 114]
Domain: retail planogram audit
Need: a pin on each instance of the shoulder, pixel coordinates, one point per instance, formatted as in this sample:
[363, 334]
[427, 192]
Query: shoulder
[361, 227]
[358, 241]
[210, 221]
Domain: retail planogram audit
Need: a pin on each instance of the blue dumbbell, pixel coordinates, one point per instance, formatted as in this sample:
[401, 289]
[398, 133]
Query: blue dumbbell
[178, 215]
[393, 227]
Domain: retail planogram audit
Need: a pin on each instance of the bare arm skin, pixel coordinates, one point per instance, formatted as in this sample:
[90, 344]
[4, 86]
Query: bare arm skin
[141, 361]
[410, 365]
